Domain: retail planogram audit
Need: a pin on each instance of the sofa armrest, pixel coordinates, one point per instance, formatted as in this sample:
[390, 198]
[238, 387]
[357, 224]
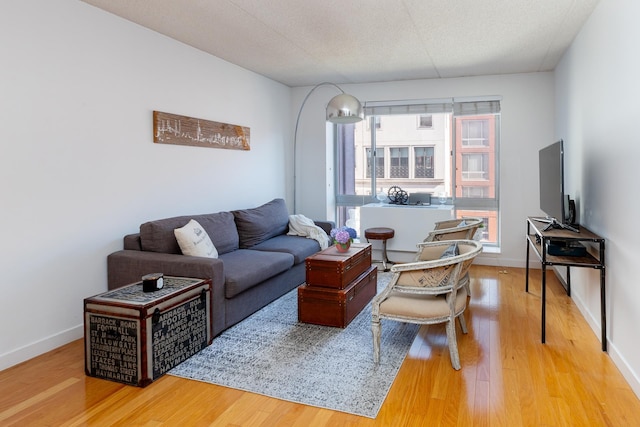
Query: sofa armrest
[326, 225]
[132, 241]
[128, 266]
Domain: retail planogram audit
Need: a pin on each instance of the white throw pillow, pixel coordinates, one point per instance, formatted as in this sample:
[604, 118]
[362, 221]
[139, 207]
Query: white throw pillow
[195, 241]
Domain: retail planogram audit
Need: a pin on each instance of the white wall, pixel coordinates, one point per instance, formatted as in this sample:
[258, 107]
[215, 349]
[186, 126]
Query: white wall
[78, 166]
[597, 93]
[527, 126]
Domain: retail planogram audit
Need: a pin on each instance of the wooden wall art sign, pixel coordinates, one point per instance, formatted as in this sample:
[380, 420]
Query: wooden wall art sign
[181, 130]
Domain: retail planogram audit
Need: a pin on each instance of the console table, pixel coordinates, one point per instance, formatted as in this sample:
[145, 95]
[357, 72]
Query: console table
[538, 237]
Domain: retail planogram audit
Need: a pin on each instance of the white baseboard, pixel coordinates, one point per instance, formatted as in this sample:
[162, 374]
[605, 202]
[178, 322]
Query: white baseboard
[37, 348]
[612, 351]
[496, 260]
[485, 258]
[625, 370]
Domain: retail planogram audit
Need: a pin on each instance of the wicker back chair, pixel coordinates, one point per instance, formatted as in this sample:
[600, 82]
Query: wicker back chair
[415, 293]
[453, 229]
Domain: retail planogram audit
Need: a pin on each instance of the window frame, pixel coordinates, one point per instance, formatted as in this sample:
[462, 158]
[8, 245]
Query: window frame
[459, 108]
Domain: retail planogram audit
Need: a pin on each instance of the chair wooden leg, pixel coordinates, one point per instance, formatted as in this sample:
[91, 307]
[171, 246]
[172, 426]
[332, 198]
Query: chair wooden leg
[463, 323]
[467, 284]
[453, 344]
[375, 329]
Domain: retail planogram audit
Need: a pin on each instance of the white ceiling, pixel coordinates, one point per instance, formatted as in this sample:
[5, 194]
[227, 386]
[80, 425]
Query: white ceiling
[305, 42]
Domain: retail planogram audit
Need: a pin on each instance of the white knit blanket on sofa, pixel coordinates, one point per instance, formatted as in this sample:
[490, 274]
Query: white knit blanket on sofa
[300, 225]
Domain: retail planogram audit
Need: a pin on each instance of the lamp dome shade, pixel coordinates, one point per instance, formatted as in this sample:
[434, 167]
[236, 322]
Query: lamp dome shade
[344, 108]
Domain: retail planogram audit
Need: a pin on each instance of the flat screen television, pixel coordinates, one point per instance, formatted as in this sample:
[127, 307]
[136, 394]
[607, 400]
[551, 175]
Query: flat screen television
[558, 207]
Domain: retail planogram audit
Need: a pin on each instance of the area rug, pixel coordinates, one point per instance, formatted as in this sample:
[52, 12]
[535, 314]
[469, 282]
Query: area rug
[272, 354]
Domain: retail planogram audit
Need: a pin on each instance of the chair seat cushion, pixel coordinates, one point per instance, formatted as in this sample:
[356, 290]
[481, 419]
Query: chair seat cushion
[420, 306]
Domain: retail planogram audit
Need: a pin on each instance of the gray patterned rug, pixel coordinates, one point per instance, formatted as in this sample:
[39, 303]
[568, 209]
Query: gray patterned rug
[271, 353]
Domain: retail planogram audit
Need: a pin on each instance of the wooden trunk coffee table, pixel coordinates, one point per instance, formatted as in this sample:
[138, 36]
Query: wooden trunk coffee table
[339, 285]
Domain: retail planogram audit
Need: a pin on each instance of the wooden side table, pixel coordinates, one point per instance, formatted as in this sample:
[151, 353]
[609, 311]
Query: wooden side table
[384, 234]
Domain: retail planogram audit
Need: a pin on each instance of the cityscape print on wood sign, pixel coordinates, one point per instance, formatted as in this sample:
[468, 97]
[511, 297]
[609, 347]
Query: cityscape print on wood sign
[181, 130]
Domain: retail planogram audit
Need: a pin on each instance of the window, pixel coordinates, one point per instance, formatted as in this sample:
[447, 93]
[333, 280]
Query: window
[475, 166]
[475, 191]
[379, 164]
[453, 149]
[475, 133]
[425, 121]
[423, 161]
[399, 162]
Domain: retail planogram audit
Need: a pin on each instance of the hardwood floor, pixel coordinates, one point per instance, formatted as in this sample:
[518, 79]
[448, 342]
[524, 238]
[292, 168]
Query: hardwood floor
[508, 378]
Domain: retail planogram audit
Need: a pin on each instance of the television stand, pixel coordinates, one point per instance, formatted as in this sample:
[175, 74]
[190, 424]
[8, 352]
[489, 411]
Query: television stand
[537, 239]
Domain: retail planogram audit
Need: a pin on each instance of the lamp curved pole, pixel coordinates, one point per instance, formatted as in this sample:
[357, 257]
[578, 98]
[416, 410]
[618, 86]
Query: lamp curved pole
[336, 119]
[295, 139]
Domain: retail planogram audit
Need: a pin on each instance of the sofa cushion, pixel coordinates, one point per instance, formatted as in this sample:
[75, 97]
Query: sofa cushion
[194, 240]
[246, 268]
[158, 236]
[259, 224]
[299, 247]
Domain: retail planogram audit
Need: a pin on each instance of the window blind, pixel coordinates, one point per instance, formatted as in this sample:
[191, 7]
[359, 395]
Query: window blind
[457, 106]
[475, 108]
[382, 108]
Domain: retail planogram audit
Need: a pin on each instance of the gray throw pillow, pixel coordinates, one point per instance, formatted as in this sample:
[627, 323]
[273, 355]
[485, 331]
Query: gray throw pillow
[262, 223]
[452, 250]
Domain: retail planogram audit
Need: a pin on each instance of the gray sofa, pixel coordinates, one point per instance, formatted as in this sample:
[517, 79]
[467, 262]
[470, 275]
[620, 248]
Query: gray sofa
[257, 263]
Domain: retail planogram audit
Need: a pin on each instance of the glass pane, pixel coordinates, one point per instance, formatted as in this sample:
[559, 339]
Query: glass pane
[476, 179]
[414, 158]
[475, 158]
[349, 216]
[488, 233]
[457, 156]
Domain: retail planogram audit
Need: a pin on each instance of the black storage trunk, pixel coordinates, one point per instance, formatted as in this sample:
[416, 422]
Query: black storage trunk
[134, 337]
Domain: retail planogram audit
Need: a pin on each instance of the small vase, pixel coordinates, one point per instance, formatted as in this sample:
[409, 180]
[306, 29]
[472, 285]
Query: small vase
[343, 247]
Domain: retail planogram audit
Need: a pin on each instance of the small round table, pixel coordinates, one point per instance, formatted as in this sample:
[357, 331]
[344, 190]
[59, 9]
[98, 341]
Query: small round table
[381, 233]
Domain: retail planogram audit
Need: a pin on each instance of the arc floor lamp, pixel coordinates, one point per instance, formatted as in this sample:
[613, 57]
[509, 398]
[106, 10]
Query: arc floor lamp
[342, 108]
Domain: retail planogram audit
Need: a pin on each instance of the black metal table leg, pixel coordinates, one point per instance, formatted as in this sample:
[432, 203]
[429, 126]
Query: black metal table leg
[603, 310]
[526, 261]
[543, 300]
